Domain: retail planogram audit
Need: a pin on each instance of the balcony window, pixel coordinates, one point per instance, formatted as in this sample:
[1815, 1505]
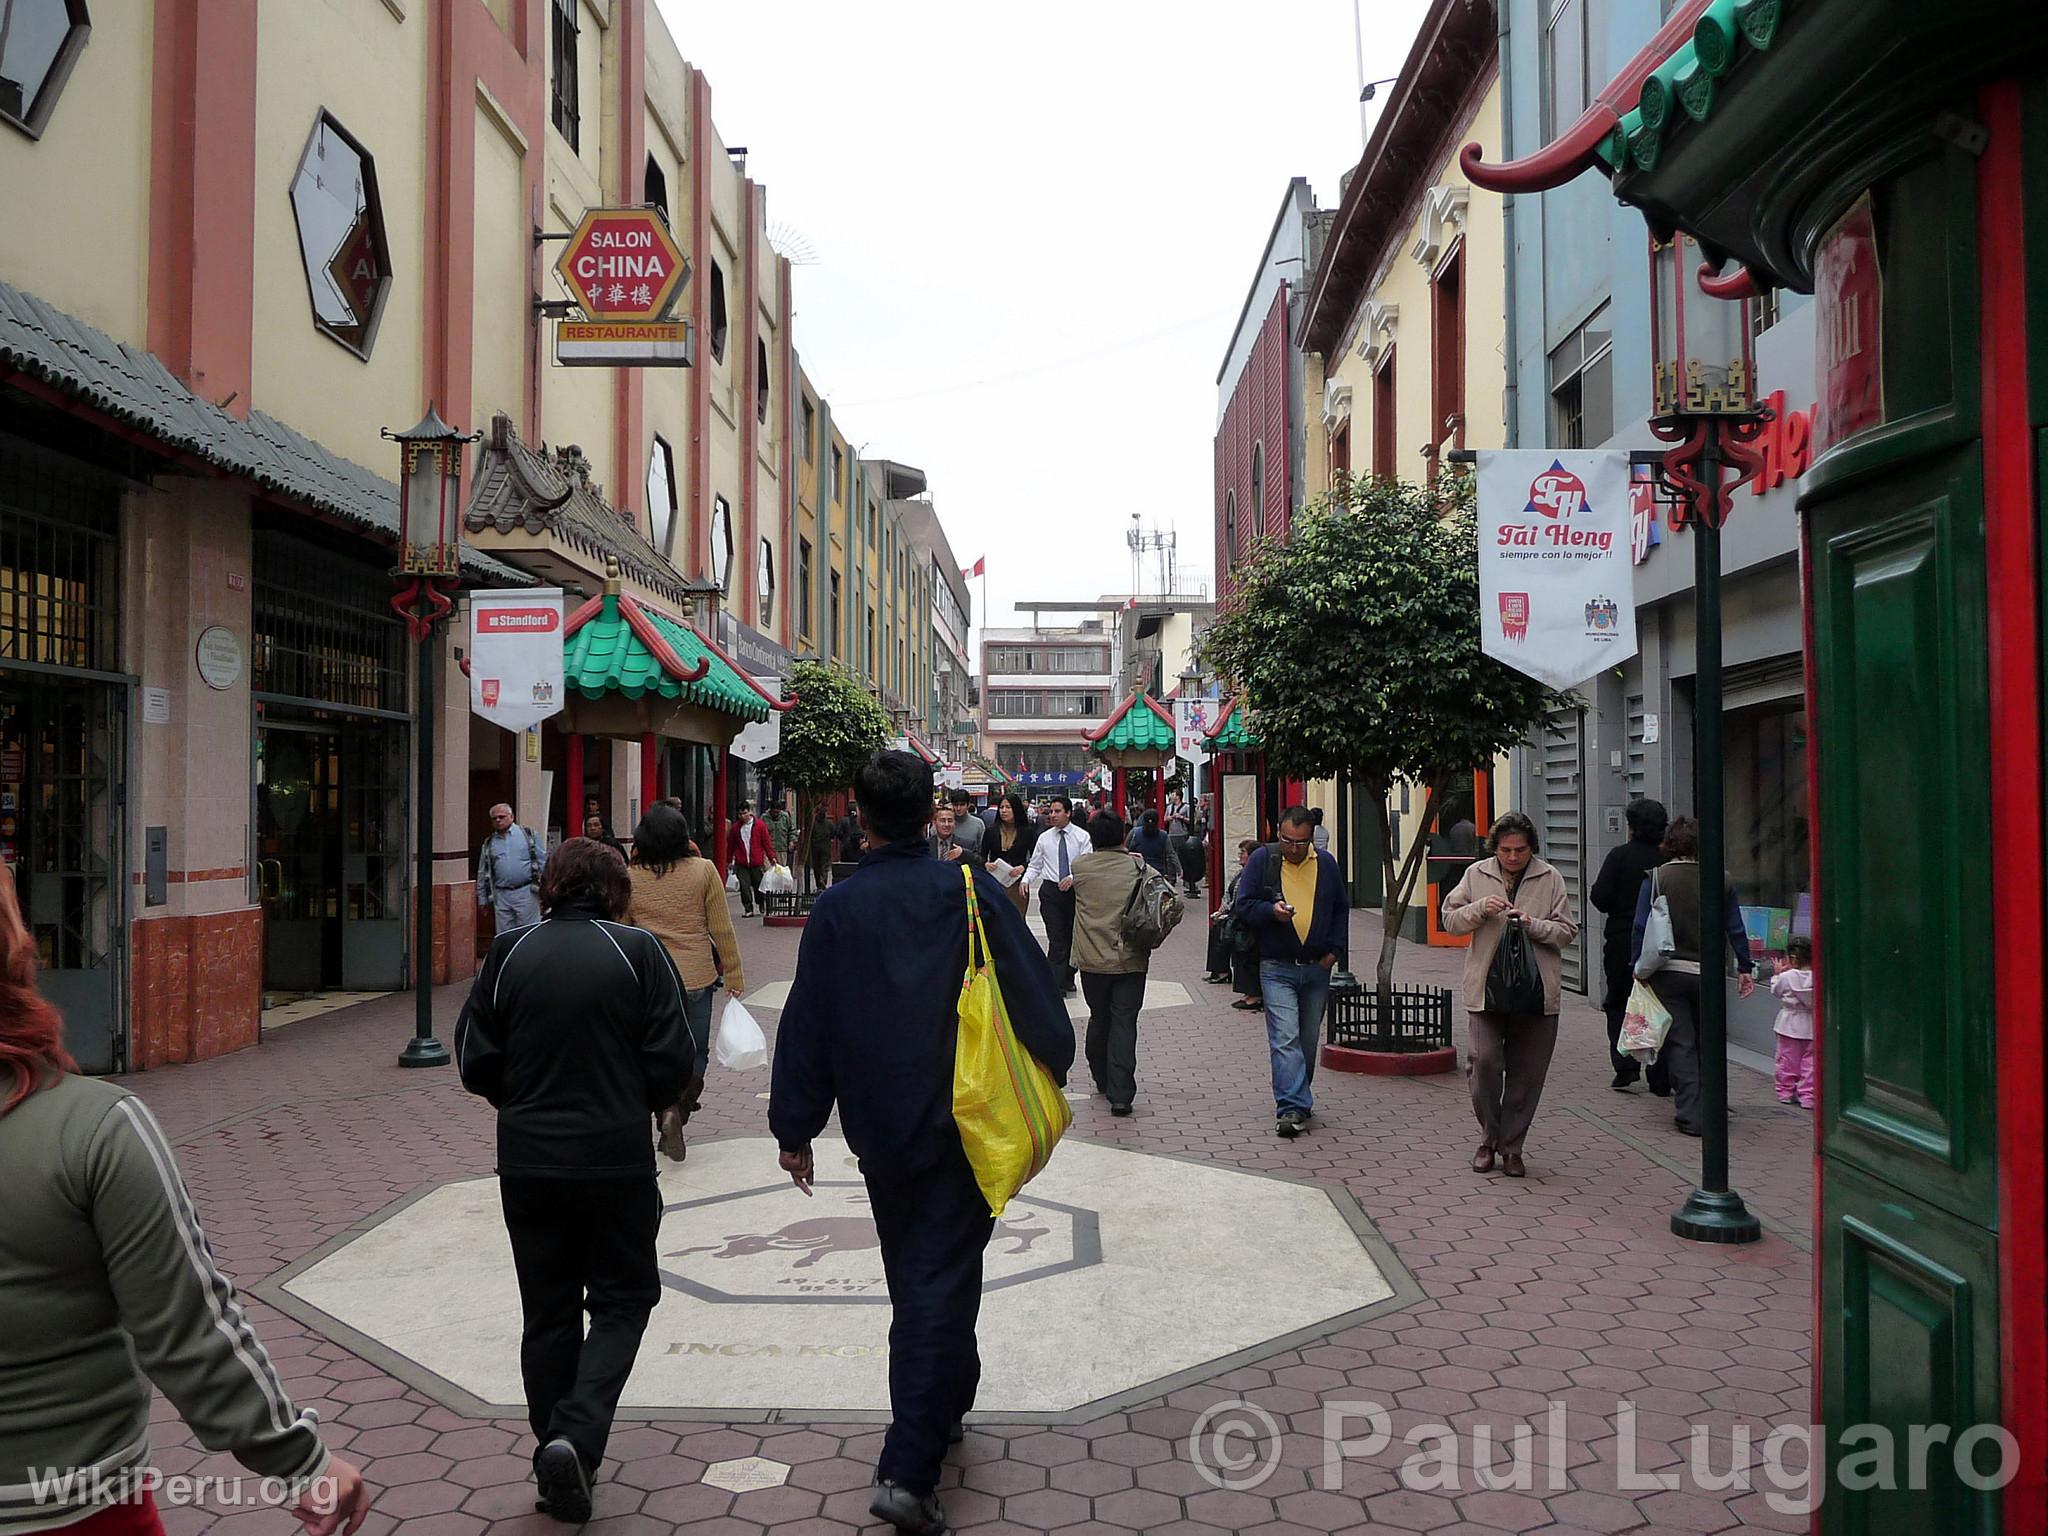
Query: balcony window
[39, 42]
[564, 93]
[341, 235]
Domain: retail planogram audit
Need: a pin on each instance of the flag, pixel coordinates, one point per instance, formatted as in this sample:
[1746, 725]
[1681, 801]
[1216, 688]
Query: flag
[979, 568]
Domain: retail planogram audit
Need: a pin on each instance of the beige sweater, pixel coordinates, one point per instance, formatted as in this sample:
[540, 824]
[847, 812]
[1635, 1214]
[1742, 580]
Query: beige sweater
[1541, 895]
[686, 910]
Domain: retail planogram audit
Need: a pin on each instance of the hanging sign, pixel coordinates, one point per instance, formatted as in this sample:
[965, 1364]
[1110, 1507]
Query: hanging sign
[1556, 594]
[624, 344]
[515, 656]
[761, 740]
[1191, 721]
[623, 264]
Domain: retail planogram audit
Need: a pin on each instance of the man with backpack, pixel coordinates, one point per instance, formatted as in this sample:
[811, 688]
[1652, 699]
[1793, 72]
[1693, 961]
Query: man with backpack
[508, 870]
[1123, 910]
[1295, 902]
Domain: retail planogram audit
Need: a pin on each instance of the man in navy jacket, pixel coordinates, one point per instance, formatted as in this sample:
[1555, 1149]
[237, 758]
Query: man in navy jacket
[883, 1049]
[1297, 905]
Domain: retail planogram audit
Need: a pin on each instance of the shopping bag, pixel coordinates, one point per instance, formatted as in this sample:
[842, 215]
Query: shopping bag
[741, 1046]
[1513, 983]
[1644, 1023]
[1009, 1110]
[1658, 943]
[776, 881]
[732, 879]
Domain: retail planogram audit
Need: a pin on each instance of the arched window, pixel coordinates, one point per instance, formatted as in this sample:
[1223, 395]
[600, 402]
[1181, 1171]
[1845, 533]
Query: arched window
[1258, 507]
[1230, 530]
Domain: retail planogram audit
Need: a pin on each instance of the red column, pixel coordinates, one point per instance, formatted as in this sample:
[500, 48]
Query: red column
[717, 849]
[572, 787]
[1116, 791]
[1159, 791]
[650, 770]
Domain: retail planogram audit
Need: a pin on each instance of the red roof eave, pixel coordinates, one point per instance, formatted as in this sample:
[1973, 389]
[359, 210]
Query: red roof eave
[780, 706]
[1222, 721]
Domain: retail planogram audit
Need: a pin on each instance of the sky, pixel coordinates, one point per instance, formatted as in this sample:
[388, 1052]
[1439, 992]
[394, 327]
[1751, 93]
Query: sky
[1033, 230]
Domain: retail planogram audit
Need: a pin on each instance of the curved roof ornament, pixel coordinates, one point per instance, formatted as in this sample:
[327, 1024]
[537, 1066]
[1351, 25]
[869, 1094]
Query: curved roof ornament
[1741, 283]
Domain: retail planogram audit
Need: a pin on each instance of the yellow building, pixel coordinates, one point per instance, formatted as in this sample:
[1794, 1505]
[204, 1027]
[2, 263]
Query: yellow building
[1404, 331]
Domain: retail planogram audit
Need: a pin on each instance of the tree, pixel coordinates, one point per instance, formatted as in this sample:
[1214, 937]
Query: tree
[1354, 647]
[835, 726]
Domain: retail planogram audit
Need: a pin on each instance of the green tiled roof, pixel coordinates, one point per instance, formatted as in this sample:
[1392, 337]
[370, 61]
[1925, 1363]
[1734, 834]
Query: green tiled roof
[1235, 736]
[1136, 727]
[1685, 85]
[605, 656]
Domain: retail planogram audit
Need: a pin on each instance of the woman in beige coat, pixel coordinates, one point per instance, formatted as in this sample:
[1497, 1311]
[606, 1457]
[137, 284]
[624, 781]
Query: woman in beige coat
[1509, 1054]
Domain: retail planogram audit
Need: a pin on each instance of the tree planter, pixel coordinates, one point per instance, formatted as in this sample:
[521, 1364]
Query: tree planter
[785, 910]
[1412, 1038]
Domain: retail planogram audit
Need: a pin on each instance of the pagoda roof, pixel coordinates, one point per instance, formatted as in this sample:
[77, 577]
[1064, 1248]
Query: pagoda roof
[616, 646]
[1140, 724]
[1230, 733]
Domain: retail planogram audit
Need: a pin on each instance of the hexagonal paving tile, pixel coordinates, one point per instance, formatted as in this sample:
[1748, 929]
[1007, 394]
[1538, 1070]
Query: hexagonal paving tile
[1113, 1272]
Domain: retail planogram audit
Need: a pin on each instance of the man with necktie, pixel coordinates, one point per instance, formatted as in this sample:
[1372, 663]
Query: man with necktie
[1051, 874]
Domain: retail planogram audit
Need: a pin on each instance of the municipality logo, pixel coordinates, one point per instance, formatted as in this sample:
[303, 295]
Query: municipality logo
[1603, 618]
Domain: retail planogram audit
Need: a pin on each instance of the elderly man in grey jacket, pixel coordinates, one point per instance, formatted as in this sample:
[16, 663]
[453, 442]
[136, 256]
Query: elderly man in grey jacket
[508, 870]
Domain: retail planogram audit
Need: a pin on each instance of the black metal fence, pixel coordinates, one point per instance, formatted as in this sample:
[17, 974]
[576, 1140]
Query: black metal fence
[1419, 1019]
[787, 903]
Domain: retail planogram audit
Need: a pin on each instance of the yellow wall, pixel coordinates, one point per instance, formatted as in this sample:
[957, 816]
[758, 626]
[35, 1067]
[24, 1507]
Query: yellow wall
[85, 248]
[503, 250]
[665, 392]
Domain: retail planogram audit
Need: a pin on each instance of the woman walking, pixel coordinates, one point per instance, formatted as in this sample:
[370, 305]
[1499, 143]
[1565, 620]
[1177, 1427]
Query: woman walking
[1509, 1054]
[1151, 844]
[574, 1032]
[1011, 840]
[1112, 970]
[677, 897]
[110, 1286]
[1677, 981]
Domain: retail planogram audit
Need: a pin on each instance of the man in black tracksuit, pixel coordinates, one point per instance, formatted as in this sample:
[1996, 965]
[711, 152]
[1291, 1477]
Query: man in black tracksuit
[1614, 893]
[575, 1032]
[882, 1048]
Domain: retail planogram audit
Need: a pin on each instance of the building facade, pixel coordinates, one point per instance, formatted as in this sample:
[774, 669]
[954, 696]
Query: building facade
[1043, 688]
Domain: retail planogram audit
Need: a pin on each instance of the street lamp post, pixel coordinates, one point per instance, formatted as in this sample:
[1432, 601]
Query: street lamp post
[1705, 406]
[429, 568]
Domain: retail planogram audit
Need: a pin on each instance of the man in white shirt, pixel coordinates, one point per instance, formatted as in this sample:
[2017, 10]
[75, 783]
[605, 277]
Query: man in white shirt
[1051, 874]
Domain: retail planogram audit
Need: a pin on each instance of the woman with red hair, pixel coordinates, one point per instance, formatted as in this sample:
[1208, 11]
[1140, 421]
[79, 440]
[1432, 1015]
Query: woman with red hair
[106, 1285]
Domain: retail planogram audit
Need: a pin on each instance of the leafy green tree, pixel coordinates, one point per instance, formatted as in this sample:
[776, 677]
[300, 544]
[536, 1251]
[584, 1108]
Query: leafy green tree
[835, 726]
[1355, 648]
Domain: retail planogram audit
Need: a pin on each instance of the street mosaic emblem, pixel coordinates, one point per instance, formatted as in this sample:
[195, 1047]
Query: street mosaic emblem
[1114, 1273]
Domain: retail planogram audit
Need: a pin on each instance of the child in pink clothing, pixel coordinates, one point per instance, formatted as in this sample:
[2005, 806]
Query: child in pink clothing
[1793, 988]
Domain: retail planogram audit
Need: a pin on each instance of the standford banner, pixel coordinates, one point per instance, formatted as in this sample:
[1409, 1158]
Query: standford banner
[1556, 591]
[515, 656]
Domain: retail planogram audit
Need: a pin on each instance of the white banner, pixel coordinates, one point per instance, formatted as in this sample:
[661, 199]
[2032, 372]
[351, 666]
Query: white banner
[1191, 721]
[1556, 589]
[515, 656]
[756, 743]
[953, 776]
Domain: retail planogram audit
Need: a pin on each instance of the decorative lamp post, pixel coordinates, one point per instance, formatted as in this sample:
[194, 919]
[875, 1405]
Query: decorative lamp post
[429, 568]
[1705, 407]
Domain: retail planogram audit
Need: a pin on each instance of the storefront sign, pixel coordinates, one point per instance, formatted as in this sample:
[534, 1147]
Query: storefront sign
[1556, 598]
[622, 264]
[515, 657]
[1644, 534]
[1191, 721]
[1787, 445]
[752, 649]
[219, 657]
[624, 344]
[1848, 293]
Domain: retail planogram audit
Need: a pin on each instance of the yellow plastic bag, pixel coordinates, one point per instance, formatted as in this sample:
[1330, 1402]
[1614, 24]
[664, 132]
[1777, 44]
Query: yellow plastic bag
[1010, 1112]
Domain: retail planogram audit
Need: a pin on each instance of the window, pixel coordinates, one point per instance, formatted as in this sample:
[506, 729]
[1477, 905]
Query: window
[838, 474]
[838, 620]
[1257, 505]
[867, 658]
[1582, 385]
[565, 95]
[874, 521]
[803, 588]
[1574, 61]
[661, 496]
[717, 312]
[1340, 450]
[1045, 703]
[654, 189]
[807, 426]
[1383, 417]
[721, 544]
[39, 42]
[764, 584]
[1230, 530]
[1447, 359]
[760, 380]
[341, 235]
[1764, 311]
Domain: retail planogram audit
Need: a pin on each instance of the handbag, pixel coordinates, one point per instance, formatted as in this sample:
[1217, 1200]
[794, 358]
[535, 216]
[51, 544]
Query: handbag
[1658, 943]
[1644, 1024]
[1010, 1112]
[1513, 983]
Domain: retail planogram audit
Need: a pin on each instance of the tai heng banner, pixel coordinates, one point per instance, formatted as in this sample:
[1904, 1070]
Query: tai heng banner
[1556, 586]
[515, 656]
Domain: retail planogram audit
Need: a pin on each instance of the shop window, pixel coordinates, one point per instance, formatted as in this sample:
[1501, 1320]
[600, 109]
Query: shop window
[654, 189]
[764, 584]
[721, 544]
[39, 42]
[803, 588]
[760, 380]
[341, 235]
[718, 325]
[661, 496]
[1765, 752]
[1383, 417]
[1582, 385]
[565, 89]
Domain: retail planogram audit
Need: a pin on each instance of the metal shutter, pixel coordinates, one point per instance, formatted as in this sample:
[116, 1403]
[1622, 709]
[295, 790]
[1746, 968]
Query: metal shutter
[1638, 766]
[1563, 830]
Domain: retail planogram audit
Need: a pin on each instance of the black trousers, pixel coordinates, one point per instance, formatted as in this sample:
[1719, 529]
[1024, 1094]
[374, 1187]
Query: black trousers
[750, 886]
[820, 873]
[1057, 908]
[581, 1244]
[1679, 991]
[1112, 1042]
[934, 1225]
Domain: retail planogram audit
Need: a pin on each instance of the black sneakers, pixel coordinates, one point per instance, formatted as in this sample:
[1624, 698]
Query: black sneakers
[564, 1484]
[1291, 1123]
[906, 1511]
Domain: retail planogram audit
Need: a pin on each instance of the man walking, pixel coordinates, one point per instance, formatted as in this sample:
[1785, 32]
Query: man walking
[819, 865]
[967, 827]
[1614, 893]
[1051, 874]
[882, 1050]
[748, 853]
[1297, 906]
[508, 870]
[782, 834]
[850, 844]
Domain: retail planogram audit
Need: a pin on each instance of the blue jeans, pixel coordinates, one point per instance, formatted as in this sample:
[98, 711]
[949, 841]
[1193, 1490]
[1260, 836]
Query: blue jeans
[697, 1012]
[1296, 995]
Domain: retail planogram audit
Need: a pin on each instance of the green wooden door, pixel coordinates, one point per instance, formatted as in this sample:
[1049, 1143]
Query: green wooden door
[1908, 1253]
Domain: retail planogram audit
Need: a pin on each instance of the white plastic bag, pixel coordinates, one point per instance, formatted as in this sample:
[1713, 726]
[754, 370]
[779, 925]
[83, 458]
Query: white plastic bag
[741, 1046]
[776, 881]
[732, 879]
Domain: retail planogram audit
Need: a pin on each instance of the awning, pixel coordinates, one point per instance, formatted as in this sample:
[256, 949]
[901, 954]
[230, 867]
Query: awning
[615, 647]
[918, 746]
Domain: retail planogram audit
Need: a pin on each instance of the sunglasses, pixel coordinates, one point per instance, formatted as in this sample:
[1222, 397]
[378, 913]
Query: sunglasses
[1298, 842]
